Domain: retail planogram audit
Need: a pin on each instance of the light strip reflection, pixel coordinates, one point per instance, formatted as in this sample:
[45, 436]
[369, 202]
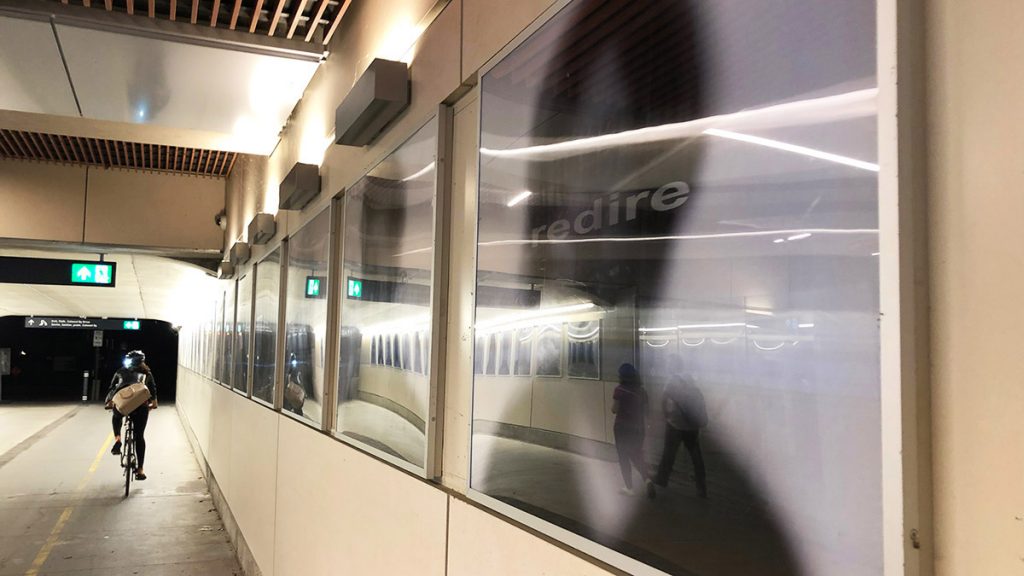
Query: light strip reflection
[856, 104]
[724, 235]
[786, 147]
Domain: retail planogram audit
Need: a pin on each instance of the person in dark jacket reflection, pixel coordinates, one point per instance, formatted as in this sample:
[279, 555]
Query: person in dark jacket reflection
[685, 415]
[629, 404]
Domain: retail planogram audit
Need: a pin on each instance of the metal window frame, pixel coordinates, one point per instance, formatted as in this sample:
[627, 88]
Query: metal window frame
[283, 324]
[264, 260]
[441, 219]
[903, 379]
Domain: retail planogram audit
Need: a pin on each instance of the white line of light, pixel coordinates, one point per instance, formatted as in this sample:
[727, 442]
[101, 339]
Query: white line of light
[785, 146]
[799, 237]
[807, 325]
[685, 343]
[662, 345]
[856, 104]
[760, 312]
[423, 171]
[541, 313]
[768, 348]
[662, 329]
[519, 198]
[729, 325]
[724, 235]
[752, 326]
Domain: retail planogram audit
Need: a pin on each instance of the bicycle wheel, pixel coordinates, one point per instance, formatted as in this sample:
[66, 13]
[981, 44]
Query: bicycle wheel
[129, 460]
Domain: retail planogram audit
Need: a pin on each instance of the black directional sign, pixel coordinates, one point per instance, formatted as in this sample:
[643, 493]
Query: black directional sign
[55, 272]
[82, 323]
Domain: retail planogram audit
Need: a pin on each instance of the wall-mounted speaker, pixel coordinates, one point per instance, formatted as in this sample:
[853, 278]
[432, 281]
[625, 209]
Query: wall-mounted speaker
[377, 98]
[262, 228]
[299, 187]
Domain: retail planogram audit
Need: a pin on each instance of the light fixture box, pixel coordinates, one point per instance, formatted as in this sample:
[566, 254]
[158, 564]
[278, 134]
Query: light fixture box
[377, 98]
[299, 187]
[262, 228]
[225, 270]
[239, 253]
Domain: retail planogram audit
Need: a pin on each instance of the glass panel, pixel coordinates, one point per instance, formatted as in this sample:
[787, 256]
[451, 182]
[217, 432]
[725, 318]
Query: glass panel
[241, 345]
[268, 286]
[388, 260]
[227, 335]
[306, 314]
[680, 224]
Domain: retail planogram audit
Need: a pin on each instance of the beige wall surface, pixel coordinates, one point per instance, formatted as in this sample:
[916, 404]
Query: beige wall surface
[480, 543]
[135, 208]
[975, 114]
[41, 201]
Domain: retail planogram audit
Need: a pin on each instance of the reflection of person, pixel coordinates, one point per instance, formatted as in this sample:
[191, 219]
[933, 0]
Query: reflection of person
[685, 415]
[134, 371]
[294, 389]
[630, 408]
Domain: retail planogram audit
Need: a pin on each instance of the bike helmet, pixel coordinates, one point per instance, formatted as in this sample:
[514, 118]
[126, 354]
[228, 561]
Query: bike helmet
[134, 359]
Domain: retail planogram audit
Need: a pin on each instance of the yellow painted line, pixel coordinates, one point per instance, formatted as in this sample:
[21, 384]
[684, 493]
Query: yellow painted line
[44, 552]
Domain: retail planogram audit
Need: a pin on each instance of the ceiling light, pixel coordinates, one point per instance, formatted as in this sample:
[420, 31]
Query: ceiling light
[806, 325]
[799, 236]
[519, 198]
[760, 312]
[779, 240]
[874, 253]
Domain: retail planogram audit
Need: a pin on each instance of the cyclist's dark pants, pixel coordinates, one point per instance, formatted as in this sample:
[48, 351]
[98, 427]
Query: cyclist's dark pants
[139, 417]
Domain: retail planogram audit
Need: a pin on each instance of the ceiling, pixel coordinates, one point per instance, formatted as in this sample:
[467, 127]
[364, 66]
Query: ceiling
[218, 76]
[148, 287]
[114, 153]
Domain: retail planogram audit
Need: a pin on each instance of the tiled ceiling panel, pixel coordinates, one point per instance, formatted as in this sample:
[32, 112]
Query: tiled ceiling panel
[32, 78]
[114, 153]
[137, 79]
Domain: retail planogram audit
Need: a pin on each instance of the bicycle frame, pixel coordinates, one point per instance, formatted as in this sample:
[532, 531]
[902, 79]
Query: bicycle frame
[129, 462]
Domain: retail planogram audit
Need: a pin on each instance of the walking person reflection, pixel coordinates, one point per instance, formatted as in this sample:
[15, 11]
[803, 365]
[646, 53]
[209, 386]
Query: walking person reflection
[685, 415]
[630, 408]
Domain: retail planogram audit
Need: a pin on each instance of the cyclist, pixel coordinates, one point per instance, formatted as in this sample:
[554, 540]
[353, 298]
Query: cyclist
[134, 371]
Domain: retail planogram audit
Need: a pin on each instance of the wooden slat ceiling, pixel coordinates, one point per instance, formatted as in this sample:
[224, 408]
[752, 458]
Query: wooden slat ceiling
[115, 153]
[281, 18]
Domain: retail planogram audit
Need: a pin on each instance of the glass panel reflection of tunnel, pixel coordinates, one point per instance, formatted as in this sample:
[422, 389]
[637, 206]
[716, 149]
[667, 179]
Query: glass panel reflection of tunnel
[678, 230]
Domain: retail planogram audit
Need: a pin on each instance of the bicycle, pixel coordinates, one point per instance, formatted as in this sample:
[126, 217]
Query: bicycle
[129, 461]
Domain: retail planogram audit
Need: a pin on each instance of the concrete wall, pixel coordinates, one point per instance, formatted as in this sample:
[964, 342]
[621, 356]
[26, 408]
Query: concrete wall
[975, 182]
[92, 205]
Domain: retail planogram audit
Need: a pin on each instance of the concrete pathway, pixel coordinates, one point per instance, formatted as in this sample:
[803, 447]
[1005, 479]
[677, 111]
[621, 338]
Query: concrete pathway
[62, 511]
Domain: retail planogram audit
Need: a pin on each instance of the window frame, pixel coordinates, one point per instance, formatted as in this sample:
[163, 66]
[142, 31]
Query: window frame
[905, 474]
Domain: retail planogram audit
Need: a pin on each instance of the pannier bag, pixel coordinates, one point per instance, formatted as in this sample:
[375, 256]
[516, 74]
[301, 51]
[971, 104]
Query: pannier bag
[127, 399]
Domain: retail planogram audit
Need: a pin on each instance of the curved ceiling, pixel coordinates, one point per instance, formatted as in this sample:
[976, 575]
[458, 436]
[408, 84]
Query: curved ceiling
[148, 287]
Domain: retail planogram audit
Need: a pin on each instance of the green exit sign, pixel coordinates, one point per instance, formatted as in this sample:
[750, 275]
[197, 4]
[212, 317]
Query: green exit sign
[312, 287]
[315, 286]
[131, 325]
[98, 274]
[355, 288]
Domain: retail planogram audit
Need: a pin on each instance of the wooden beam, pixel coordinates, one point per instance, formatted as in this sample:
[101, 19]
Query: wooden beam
[195, 11]
[108, 4]
[152, 8]
[337, 20]
[234, 13]
[277, 17]
[174, 10]
[312, 25]
[131, 6]
[86, 3]
[296, 16]
[63, 148]
[234, 156]
[5, 134]
[216, 13]
[256, 16]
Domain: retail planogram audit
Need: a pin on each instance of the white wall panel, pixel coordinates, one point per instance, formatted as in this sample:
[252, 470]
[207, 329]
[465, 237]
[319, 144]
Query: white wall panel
[253, 474]
[342, 512]
[480, 543]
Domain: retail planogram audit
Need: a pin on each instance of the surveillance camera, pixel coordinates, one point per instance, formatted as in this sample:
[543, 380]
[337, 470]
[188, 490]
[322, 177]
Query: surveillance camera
[221, 220]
